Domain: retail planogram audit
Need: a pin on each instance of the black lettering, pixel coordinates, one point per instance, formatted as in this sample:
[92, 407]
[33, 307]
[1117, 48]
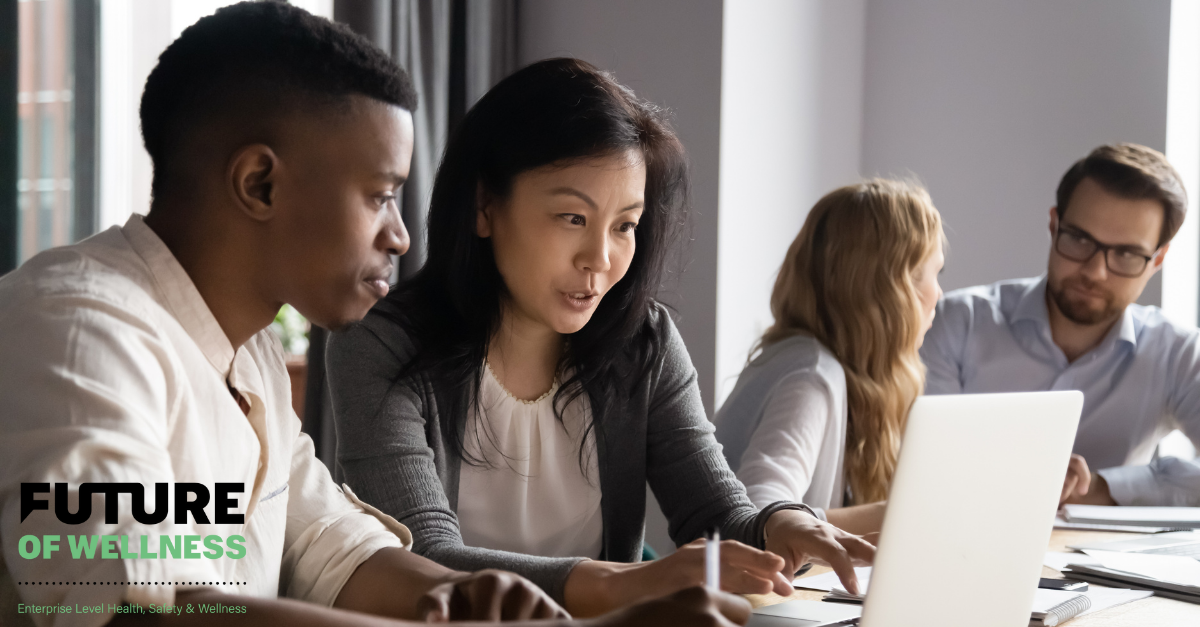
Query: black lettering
[29, 504]
[183, 505]
[223, 503]
[139, 504]
[63, 511]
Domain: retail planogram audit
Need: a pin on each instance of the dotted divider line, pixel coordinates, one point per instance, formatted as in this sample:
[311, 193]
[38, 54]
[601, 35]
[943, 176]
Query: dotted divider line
[131, 583]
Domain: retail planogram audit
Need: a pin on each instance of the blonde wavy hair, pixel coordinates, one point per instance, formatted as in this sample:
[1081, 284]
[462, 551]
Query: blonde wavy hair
[849, 280]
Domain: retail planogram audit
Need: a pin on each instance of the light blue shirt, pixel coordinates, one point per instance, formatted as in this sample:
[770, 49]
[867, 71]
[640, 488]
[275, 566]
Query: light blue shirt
[1141, 382]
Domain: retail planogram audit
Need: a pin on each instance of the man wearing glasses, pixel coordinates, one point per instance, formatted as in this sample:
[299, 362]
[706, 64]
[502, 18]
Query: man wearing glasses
[1076, 328]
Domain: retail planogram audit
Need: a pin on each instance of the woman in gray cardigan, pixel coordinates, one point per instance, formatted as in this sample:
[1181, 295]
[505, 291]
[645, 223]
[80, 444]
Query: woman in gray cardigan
[521, 390]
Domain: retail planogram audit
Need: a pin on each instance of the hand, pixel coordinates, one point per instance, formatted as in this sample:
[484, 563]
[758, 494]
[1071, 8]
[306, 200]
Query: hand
[693, 606]
[1078, 481]
[799, 537]
[488, 595]
[595, 587]
[1083, 487]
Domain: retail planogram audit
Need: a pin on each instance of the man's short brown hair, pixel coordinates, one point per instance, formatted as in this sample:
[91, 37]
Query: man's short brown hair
[1134, 172]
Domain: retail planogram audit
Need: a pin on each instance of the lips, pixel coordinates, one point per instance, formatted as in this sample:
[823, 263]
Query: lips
[580, 301]
[380, 282]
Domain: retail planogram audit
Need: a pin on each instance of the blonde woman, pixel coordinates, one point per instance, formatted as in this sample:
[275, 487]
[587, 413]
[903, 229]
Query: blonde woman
[817, 414]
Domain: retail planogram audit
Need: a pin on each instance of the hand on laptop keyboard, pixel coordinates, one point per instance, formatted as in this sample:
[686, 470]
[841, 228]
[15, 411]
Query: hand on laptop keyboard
[799, 538]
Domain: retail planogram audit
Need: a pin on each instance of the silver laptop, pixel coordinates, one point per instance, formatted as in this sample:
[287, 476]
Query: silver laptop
[970, 512]
[971, 509]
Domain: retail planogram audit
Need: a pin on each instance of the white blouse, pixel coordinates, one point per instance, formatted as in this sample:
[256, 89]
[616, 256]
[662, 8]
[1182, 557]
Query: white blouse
[532, 496]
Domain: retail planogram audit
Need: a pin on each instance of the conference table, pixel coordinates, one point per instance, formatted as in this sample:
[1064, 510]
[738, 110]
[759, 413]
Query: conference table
[1155, 611]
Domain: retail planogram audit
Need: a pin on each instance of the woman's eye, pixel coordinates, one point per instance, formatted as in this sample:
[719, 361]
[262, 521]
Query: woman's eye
[574, 219]
[628, 227]
[382, 201]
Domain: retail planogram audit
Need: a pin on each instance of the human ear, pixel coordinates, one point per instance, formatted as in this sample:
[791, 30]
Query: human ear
[1053, 221]
[253, 172]
[1160, 257]
[483, 212]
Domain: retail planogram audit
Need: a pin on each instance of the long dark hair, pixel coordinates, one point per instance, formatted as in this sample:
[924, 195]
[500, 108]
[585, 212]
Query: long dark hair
[554, 112]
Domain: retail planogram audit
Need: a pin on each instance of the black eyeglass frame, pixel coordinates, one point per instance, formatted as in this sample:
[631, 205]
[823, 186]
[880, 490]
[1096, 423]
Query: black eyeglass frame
[1100, 247]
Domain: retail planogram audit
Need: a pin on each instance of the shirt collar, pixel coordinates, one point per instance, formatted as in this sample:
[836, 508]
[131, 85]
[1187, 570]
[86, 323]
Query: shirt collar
[180, 295]
[1032, 306]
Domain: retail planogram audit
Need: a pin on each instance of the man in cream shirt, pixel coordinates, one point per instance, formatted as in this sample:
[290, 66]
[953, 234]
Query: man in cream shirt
[140, 355]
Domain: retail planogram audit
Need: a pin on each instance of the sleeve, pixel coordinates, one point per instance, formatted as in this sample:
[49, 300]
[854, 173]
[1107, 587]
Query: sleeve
[1168, 481]
[784, 451]
[943, 346]
[88, 392]
[386, 457]
[329, 534]
[684, 464]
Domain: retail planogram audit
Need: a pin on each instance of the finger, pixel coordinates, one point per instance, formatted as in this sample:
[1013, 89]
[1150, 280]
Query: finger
[484, 595]
[732, 607]
[738, 555]
[860, 550]
[783, 585]
[1085, 483]
[520, 603]
[434, 606]
[744, 582]
[550, 609]
[1068, 488]
[839, 560]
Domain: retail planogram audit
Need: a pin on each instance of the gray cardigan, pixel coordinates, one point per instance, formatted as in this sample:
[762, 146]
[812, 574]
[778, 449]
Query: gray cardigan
[390, 450]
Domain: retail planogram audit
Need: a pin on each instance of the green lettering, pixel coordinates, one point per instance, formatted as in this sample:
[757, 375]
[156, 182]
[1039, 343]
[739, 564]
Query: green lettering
[146, 549]
[190, 549]
[234, 549]
[171, 544]
[31, 553]
[214, 544]
[49, 545]
[125, 554]
[105, 551]
[83, 546]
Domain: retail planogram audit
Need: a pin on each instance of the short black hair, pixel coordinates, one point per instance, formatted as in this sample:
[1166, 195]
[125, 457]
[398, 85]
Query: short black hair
[250, 62]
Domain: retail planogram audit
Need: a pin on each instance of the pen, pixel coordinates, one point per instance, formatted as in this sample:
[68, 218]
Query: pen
[712, 560]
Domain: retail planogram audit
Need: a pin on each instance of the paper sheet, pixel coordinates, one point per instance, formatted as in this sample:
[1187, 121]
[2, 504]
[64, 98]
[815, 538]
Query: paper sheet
[1059, 560]
[1185, 516]
[828, 581]
[1102, 598]
[1173, 568]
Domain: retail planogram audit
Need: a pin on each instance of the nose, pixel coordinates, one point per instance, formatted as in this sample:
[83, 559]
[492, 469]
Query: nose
[594, 255]
[394, 236]
[1096, 268]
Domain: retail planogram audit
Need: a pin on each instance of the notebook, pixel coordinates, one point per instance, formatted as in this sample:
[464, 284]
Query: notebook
[1050, 607]
[1173, 517]
[804, 614]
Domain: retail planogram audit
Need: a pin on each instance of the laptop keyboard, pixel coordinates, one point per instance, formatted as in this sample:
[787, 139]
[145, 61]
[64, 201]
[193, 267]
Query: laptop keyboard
[1185, 550]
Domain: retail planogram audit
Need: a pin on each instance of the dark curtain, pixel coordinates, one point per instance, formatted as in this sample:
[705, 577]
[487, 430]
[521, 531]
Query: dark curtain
[455, 51]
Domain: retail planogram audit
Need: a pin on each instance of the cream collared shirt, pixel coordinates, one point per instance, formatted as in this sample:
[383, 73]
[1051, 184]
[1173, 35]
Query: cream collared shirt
[113, 369]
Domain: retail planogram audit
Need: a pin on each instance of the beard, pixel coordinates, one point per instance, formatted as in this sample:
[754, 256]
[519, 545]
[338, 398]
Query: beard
[1080, 310]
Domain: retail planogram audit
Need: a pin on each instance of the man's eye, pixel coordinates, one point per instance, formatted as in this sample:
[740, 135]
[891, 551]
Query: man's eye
[1128, 255]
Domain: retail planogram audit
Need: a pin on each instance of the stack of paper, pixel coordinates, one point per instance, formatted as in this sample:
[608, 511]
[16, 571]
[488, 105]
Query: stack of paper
[1099, 598]
[1168, 576]
[1172, 517]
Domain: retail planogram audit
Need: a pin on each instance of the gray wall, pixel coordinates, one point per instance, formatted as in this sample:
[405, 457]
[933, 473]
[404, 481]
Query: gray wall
[668, 51]
[989, 102]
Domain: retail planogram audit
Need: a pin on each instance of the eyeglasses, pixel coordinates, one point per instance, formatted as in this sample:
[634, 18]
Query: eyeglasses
[1079, 246]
